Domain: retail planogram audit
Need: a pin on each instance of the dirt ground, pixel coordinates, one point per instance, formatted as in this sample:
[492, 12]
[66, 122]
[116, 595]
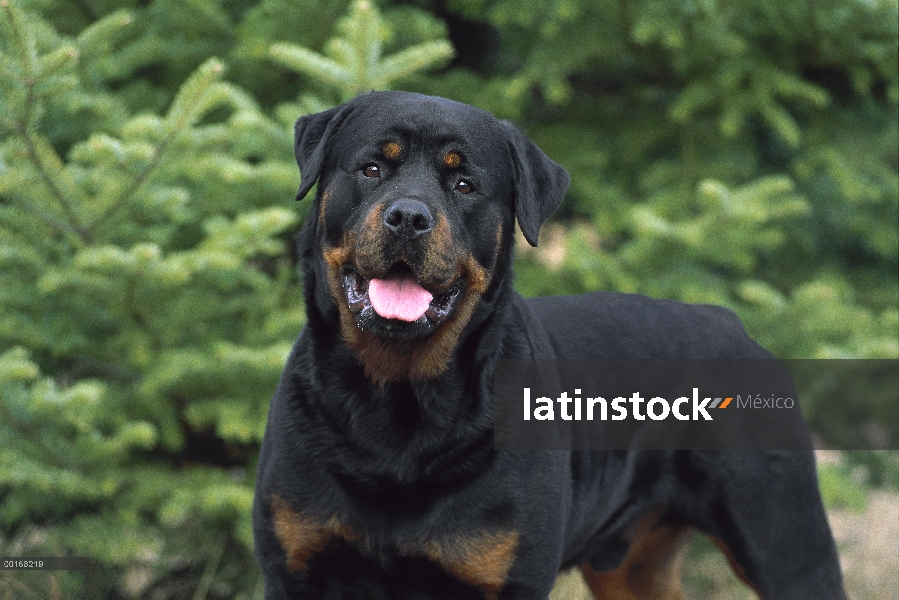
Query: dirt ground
[869, 550]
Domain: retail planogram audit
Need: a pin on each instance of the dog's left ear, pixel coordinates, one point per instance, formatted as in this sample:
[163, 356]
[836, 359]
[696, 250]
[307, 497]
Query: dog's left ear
[540, 183]
[312, 134]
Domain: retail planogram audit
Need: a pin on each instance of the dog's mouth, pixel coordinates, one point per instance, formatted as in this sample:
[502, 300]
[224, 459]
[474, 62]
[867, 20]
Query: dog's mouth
[397, 305]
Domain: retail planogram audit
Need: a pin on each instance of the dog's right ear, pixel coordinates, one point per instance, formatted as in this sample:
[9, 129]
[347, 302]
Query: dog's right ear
[312, 134]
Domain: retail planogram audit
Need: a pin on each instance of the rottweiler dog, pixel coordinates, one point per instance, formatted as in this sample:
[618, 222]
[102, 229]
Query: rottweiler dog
[378, 476]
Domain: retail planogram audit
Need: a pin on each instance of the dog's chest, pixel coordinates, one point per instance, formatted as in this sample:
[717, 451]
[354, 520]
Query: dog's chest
[480, 560]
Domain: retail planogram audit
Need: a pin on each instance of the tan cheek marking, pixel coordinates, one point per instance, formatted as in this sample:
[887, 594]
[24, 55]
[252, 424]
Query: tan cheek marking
[452, 159]
[483, 561]
[442, 235]
[440, 258]
[321, 209]
[391, 150]
[361, 251]
[372, 235]
[337, 257]
[392, 360]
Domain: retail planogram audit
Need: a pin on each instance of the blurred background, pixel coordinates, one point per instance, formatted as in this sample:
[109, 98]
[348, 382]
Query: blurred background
[740, 153]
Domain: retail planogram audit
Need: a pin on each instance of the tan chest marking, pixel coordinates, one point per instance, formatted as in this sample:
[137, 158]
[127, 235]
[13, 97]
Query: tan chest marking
[302, 537]
[482, 560]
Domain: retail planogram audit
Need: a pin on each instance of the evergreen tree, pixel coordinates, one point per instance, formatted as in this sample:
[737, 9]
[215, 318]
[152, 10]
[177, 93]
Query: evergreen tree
[738, 153]
[355, 64]
[144, 272]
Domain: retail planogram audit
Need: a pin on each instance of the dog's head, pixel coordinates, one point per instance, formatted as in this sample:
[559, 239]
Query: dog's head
[413, 221]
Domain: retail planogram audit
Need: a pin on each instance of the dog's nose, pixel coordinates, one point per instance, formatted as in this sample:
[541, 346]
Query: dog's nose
[408, 218]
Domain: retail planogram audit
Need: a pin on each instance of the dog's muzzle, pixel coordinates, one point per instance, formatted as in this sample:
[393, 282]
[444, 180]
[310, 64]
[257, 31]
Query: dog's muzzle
[397, 305]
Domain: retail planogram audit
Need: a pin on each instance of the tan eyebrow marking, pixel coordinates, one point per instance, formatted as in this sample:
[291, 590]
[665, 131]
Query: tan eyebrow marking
[452, 159]
[391, 150]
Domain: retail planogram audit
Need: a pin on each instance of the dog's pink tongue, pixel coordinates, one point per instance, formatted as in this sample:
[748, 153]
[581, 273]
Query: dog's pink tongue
[399, 296]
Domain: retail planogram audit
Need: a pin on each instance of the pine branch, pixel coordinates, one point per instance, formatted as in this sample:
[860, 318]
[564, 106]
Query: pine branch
[27, 433]
[47, 162]
[408, 61]
[37, 152]
[195, 97]
[97, 37]
[355, 63]
[311, 63]
[51, 221]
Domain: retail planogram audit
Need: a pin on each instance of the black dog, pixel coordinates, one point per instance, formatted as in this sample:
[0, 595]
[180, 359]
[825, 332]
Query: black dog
[378, 477]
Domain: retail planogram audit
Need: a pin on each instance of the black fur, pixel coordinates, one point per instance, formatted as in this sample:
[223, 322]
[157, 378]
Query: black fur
[378, 482]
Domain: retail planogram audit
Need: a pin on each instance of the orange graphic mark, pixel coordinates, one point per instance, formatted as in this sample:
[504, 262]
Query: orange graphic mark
[725, 403]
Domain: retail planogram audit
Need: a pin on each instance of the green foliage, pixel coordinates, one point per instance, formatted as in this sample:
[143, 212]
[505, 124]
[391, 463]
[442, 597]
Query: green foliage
[738, 153]
[840, 488]
[354, 61]
[742, 154]
[144, 268]
[354, 64]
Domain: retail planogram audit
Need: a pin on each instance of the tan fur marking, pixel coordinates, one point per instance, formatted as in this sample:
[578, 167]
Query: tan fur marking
[388, 360]
[737, 568]
[482, 561]
[393, 360]
[372, 236]
[335, 259]
[418, 360]
[300, 537]
[321, 209]
[391, 150]
[440, 266]
[452, 159]
[651, 570]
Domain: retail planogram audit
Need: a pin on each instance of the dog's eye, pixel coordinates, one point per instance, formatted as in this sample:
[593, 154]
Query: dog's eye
[371, 171]
[463, 187]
